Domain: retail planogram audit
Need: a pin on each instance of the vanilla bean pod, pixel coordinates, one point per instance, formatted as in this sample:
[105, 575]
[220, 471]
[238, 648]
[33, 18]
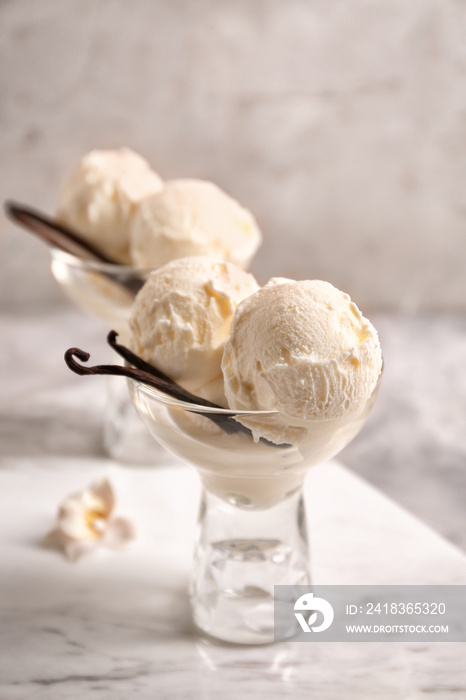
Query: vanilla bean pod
[138, 362]
[153, 379]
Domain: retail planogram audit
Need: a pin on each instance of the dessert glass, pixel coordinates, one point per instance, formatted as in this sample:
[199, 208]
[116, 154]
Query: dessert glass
[252, 531]
[106, 292]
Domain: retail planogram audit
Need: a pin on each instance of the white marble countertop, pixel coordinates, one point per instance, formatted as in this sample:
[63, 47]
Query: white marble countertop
[116, 624]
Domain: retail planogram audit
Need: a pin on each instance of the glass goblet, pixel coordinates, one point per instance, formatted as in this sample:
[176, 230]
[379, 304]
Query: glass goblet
[252, 530]
[106, 291]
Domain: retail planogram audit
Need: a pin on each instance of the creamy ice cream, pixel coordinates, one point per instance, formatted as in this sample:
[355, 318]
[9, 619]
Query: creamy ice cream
[100, 196]
[192, 217]
[181, 320]
[298, 353]
[305, 350]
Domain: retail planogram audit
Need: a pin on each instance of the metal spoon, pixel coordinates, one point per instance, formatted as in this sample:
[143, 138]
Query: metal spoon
[53, 233]
[63, 238]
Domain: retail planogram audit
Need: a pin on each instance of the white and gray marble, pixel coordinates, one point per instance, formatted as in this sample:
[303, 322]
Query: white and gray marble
[413, 447]
[117, 624]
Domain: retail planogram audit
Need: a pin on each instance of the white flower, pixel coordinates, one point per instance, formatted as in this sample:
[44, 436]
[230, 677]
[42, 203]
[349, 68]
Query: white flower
[85, 520]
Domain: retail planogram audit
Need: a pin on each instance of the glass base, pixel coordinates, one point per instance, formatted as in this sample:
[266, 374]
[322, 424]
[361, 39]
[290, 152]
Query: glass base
[232, 586]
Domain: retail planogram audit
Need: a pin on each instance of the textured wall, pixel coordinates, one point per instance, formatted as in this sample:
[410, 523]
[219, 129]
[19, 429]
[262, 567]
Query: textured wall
[340, 123]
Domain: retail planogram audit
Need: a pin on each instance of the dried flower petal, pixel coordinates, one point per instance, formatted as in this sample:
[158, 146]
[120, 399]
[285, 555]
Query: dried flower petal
[119, 532]
[74, 549]
[101, 493]
[85, 520]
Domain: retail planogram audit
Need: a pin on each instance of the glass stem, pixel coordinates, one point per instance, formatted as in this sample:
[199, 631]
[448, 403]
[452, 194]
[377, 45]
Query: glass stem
[240, 555]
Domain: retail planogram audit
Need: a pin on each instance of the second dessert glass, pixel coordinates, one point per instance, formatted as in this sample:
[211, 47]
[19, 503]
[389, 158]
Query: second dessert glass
[252, 530]
[106, 292]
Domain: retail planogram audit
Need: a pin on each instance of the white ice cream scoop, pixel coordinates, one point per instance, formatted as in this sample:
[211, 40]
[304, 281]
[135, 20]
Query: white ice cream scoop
[181, 320]
[304, 349]
[192, 217]
[100, 196]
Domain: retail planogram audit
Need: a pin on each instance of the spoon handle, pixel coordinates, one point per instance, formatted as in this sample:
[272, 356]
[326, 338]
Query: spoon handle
[61, 237]
[53, 233]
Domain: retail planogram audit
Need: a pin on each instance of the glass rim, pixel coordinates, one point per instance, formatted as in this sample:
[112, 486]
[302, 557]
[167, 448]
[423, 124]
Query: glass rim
[96, 265]
[170, 401]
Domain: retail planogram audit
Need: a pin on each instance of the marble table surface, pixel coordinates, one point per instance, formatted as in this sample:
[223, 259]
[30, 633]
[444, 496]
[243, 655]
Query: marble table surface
[116, 624]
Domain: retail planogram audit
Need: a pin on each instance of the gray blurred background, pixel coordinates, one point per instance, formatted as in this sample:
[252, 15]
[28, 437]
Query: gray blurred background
[340, 123]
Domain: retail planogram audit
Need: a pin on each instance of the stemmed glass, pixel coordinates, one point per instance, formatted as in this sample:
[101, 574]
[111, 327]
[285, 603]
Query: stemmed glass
[252, 530]
[106, 291]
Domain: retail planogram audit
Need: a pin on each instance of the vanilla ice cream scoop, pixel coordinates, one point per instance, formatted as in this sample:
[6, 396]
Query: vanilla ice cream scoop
[192, 217]
[100, 196]
[303, 349]
[181, 320]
